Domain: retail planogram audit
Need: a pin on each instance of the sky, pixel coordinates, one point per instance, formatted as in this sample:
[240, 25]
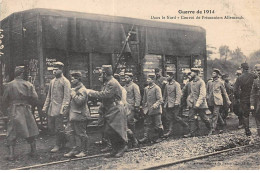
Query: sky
[243, 33]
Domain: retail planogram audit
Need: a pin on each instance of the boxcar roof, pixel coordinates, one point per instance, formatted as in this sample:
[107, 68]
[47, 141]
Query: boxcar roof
[108, 18]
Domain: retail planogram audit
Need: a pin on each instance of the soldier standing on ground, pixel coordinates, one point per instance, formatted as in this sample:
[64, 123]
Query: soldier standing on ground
[79, 115]
[172, 100]
[244, 84]
[215, 92]
[198, 102]
[18, 97]
[255, 98]
[56, 104]
[152, 108]
[236, 105]
[113, 112]
[133, 99]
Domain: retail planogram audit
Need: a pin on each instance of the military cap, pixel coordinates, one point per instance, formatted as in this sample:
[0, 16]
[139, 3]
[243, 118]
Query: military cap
[257, 67]
[244, 66]
[117, 76]
[189, 73]
[129, 74]
[19, 70]
[238, 72]
[157, 70]
[107, 69]
[197, 70]
[58, 64]
[76, 74]
[170, 73]
[150, 75]
[217, 71]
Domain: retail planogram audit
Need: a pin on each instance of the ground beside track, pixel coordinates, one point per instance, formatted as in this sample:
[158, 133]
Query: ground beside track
[169, 149]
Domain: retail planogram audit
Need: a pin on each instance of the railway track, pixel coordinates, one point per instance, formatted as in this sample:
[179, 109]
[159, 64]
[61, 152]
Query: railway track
[154, 167]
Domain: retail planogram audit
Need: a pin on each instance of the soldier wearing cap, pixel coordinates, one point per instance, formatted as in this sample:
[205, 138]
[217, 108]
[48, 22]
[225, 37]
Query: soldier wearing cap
[215, 92]
[159, 79]
[255, 98]
[18, 97]
[113, 111]
[197, 101]
[172, 101]
[242, 89]
[133, 99]
[152, 100]
[78, 116]
[56, 104]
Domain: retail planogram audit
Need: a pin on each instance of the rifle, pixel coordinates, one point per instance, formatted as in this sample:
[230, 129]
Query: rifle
[122, 50]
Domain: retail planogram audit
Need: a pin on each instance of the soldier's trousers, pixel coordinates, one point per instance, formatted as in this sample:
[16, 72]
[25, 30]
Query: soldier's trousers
[173, 116]
[245, 108]
[152, 122]
[202, 114]
[55, 126]
[257, 117]
[76, 131]
[215, 110]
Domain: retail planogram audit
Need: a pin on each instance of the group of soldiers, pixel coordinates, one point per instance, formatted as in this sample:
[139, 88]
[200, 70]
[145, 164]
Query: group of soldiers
[162, 104]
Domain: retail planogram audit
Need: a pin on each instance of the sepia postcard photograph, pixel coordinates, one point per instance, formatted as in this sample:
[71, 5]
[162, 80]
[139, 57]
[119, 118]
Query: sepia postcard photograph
[129, 85]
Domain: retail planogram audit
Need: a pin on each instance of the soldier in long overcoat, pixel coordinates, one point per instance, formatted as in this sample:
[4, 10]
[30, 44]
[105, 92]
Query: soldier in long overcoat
[56, 103]
[18, 97]
[242, 89]
[113, 112]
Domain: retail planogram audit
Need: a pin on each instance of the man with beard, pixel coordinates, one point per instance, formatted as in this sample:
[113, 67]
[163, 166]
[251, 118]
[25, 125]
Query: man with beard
[133, 99]
[113, 111]
[152, 108]
[215, 91]
[78, 116]
[18, 97]
[255, 99]
[56, 104]
[242, 89]
[197, 101]
[172, 100]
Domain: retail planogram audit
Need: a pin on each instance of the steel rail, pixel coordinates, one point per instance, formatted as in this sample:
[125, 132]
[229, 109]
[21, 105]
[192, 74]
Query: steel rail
[68, 160]
[171, 163]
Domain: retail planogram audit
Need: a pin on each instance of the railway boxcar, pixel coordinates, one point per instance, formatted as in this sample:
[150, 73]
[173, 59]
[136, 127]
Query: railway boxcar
[38, 37]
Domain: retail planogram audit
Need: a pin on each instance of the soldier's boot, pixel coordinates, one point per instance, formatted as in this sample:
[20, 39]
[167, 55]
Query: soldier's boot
[121, 152]
[132, 140]
[107, 148]
[72, 152]
[84, 147]
[240, 123]
[10, 156]
[160, 135]
[169, 130]
[248, 132]
[258, 132]
[33, 149]
[145, 139]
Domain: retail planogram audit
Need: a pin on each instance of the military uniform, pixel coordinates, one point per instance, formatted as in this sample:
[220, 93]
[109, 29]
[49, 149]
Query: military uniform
[172, 100]
[133, 99]
[255, 101]
[113, 112]
[56, 102]
[215, 92]
[78, 115]
[197, 100]
[152, 108]
[18, 97]
[242, 89]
